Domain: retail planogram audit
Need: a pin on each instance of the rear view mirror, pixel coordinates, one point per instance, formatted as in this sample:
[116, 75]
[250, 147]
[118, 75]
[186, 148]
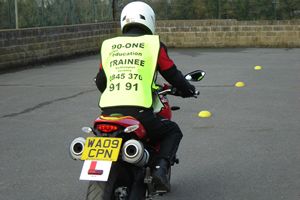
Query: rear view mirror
[197, 75]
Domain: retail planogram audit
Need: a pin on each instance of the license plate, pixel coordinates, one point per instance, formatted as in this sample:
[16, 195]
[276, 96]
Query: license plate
[101, 148]
[95, 170]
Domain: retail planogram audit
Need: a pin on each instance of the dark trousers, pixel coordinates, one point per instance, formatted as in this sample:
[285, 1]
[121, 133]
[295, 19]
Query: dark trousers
[158, 128]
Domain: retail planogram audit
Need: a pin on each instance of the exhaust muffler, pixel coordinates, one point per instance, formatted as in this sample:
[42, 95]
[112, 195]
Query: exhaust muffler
[133, 152]
[76, 148]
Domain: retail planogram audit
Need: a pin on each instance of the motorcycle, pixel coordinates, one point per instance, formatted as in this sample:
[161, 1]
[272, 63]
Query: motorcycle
[118, 158]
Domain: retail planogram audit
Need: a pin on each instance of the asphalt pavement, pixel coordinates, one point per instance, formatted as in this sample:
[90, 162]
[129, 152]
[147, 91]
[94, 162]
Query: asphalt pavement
[249, 149]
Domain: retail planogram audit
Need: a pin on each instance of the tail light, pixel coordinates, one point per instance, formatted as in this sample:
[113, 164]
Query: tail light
[107, 128]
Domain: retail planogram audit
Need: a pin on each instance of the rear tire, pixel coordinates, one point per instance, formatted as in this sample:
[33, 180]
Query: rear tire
[121, 176]
[98, 190]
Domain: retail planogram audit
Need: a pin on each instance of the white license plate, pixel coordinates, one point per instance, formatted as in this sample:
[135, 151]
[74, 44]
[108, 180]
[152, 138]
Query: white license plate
[95, 170]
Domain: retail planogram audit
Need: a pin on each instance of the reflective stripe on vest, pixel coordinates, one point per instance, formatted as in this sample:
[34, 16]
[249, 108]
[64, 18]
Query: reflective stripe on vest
[129, 64]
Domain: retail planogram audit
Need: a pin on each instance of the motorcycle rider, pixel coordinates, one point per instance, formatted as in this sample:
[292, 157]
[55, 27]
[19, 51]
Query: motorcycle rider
[128, 69]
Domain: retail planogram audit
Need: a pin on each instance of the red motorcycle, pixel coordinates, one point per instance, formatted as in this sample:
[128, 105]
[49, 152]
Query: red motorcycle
[118, 158]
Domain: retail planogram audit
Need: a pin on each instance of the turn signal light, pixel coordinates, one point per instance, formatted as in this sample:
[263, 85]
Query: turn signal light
[106, 128]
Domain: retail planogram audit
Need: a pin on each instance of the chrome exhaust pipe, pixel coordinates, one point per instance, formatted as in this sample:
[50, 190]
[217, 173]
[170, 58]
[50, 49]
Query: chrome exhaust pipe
[76, 148]
[133, 152]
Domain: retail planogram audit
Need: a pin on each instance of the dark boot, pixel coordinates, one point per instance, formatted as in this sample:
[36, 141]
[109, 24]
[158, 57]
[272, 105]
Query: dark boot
[160, 175]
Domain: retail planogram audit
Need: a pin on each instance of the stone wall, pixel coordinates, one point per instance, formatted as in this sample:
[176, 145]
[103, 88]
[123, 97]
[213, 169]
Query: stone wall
[30, 46]
[230, 33]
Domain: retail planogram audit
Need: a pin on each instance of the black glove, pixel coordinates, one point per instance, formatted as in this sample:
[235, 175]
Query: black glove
[190, 92]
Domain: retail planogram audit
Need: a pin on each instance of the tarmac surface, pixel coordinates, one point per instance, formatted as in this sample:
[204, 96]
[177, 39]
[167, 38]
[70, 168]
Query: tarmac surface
[248, 149]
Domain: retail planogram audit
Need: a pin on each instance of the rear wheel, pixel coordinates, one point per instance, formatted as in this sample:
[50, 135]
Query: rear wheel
[113, 188]
[118, 187]
[96, 190]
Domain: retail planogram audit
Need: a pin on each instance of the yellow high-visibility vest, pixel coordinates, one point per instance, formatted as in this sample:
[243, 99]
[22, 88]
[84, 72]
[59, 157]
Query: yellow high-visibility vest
[129, 64]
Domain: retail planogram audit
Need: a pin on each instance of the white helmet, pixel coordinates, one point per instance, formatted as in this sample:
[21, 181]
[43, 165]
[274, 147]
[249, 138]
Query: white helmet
[138, 13]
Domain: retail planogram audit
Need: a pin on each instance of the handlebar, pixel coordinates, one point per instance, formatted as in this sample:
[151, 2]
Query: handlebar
[196, 93]
[166, 91]
[172, 90]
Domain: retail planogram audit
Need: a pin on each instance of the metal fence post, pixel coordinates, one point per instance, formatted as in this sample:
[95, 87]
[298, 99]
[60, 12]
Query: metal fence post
[16, 14]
